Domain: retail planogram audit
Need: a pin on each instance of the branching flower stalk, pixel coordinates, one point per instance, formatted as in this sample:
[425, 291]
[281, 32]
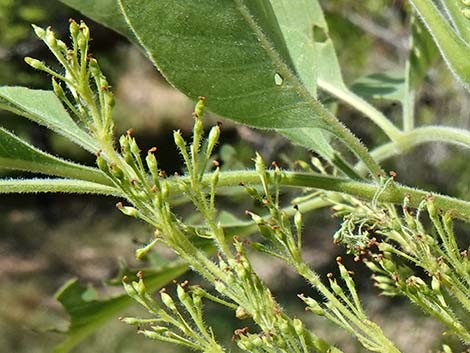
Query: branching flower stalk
[392, 242]
[284, 241]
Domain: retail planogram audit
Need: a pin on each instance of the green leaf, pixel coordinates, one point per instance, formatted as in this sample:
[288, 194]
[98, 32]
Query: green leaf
[88, 314]
[383, 85]
[236, 56]
[44, 108]
[38, 185]
[106, 12]
[452, 46]
[19, 155]
[461, 23]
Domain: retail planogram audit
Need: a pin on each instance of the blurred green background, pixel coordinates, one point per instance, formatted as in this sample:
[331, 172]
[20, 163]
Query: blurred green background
[48, 239]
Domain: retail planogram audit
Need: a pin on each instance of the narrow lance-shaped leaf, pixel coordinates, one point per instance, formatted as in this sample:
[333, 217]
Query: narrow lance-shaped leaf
[18, 155]
[459, 13]
[69, 186]
[44, 108]
[453, 48]
[87, 316]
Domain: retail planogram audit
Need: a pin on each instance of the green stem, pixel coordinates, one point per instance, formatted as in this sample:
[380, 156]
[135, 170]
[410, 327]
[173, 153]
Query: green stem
[364, 107]
[452, 47]
[416, 137]
[395, 193]
[9, 186]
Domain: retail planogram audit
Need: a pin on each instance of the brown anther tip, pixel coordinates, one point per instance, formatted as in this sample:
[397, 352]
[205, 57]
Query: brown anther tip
[265, 202]
[216, 163]
[133, 181]
[241, 184]
[185, 283]
[49, 28]
[140, 274]
[99, 153]
[125, 279]
[130, 132]
[329, 275]
[163, 290]
[274, 164]
[153, 150]
[176, 174]
[339, 259]
[154, 188]
[174, 281]
[119, 205]
[120, 318]
[357, 259]
[296, 207]
[104, 88]
[247, 212]
[71, 20]
[393, 174]
[219, 123]
[201, 98]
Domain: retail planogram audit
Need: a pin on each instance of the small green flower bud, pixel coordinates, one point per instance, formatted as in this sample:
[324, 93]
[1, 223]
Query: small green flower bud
[102, 164]
[431, 207]
[199, 108]
[436, 284]
[336, 287]
[134, 148]
[373, 267]
[127, 210]
[165, 190]
[74, 28]
[154, 335]
[117, 172]
[152, 164]
[51, 40]
[383, 279]
[58, 90]
[212, 139]
[142, 252]
[179, 141]
[260, 166]
[183, 296]
[312, 305]
[215, 178]
[34, 63]
[241, 271]
[298, 327]
[40, 33]
[388, 265]
[198, 131]
[416, 284]
[168, 301]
